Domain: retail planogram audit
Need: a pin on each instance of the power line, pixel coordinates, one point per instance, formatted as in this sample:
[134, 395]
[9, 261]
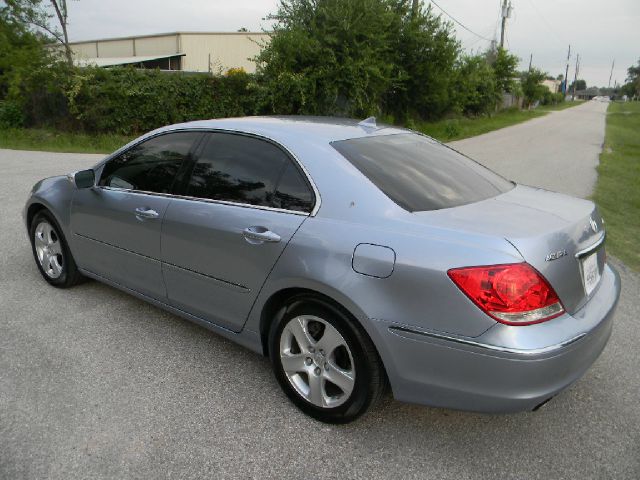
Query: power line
[459, 23]
[547, 24]
[488, 30]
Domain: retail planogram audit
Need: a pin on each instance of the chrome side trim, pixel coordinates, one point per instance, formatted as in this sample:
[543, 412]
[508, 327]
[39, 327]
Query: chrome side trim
[205, 200]
[592, 248]
[144, 138]
[486, 346]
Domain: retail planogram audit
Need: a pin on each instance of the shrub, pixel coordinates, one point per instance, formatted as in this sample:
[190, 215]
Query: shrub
[11, 115]
[552, 98]
[476, 88]
[531, 86]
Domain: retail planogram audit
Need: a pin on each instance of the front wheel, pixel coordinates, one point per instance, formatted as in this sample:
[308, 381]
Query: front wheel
[324, 361]
[51, 252]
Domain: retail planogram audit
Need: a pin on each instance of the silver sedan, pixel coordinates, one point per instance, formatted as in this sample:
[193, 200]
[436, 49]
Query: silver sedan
[355, 256]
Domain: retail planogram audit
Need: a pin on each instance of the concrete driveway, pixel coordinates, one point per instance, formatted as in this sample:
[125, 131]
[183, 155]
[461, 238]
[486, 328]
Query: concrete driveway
[97, 384]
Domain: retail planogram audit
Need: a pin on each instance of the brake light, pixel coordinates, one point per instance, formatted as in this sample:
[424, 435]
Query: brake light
[514, 294]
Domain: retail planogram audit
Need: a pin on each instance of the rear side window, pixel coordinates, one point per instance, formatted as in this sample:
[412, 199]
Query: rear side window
[419, 174]
[241, 169]
[150, 166]
[292, 192]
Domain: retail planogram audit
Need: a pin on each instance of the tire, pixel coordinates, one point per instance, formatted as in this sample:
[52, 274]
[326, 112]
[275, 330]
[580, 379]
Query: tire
[51, 252]
[314, 343]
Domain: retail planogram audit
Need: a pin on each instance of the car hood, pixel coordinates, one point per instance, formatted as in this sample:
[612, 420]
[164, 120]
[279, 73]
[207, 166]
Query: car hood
[548, 229]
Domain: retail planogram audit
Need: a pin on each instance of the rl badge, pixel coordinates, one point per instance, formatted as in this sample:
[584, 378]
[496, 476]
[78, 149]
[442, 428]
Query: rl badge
[555, 255]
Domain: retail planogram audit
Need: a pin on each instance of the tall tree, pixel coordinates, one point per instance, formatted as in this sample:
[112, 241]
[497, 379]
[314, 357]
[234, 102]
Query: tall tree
[357, 58]
[505, 68]
[633, 77]
[532, 87]
[49, 16]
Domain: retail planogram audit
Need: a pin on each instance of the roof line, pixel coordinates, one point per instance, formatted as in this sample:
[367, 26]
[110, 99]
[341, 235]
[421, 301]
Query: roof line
[152, 35]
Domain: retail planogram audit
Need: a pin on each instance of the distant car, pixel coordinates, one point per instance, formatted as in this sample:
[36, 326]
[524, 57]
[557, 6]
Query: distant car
[353, 255]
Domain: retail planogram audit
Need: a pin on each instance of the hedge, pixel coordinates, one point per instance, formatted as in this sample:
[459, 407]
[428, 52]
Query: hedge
[129, 101]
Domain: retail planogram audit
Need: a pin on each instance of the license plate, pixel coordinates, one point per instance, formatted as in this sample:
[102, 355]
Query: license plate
[590, 273]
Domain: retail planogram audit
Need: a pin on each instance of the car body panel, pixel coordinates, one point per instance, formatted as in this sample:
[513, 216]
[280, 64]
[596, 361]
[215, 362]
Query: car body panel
[538, 223]
[322, 251]
[474, 376]
[55, 194]
[113, 241]
[210, 267]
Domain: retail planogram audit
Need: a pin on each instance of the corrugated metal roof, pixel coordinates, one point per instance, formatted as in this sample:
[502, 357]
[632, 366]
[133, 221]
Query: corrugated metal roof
[113, 61]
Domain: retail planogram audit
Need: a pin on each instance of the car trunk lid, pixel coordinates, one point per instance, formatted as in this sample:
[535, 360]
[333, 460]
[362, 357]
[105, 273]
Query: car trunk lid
[560, 236]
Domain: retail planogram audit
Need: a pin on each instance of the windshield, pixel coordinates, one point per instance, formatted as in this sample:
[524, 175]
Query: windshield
[420, 174]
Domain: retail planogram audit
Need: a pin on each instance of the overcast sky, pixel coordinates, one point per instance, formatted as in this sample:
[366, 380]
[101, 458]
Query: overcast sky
[598, 30]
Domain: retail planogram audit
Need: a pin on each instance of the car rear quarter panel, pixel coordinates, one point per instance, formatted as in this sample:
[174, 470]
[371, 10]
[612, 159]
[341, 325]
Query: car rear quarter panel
[418, 293]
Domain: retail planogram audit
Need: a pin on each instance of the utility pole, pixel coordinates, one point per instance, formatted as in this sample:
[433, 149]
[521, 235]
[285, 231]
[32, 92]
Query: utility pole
[506, 13]
[611, 74]
[566, 74]
[530, 61]
[575, 78]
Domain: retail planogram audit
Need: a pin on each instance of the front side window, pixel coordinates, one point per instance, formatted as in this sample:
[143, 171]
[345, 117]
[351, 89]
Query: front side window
[242, 169]
[150, 166]
[419, 174]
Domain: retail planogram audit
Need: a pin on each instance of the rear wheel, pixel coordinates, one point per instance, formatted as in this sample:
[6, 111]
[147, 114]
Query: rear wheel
[51, 252]
[324, 361]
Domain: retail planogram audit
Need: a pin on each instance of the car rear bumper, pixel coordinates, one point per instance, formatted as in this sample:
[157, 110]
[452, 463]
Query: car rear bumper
[506, 369]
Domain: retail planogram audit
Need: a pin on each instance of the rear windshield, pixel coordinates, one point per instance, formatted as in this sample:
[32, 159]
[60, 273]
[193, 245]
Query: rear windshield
[420, 174]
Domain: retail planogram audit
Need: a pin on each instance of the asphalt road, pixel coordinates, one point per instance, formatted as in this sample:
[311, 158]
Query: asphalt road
[97, 384]
[558, 151]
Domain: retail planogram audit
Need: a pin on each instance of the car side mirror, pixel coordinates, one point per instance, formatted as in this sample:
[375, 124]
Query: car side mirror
[84, 178]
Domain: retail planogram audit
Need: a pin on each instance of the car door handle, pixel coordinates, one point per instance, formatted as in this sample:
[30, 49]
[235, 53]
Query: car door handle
[145, 212]
[260, 235]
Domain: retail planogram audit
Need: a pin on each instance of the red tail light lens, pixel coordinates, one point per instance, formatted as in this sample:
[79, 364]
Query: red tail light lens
[515, 294]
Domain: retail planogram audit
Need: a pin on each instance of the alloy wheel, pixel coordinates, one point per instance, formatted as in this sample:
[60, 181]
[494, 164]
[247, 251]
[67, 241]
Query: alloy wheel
[48, 250]
[317, 361]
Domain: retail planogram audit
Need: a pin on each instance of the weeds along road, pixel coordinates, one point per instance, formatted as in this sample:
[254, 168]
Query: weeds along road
[97, 384]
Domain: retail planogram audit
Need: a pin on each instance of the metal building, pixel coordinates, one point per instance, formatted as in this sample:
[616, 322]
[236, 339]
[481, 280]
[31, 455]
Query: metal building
[214, 52]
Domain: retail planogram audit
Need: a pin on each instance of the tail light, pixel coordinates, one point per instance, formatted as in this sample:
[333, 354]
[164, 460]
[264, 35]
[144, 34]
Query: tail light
[514, 294]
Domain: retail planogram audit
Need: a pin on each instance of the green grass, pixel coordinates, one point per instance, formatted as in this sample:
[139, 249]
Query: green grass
[51, 141]
[617, 192]
[444, 130]
[464, 127]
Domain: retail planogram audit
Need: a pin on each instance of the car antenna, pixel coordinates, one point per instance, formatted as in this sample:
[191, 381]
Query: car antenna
[368, 123]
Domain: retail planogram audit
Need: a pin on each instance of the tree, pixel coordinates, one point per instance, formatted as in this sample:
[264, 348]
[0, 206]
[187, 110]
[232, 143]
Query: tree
[532, 88]
[580, 85]
[49, 16]
[425, 61]
[476, 86]
[21, 54]
[329, 56]
[357, 58]
[633, 78]
[505, 68]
